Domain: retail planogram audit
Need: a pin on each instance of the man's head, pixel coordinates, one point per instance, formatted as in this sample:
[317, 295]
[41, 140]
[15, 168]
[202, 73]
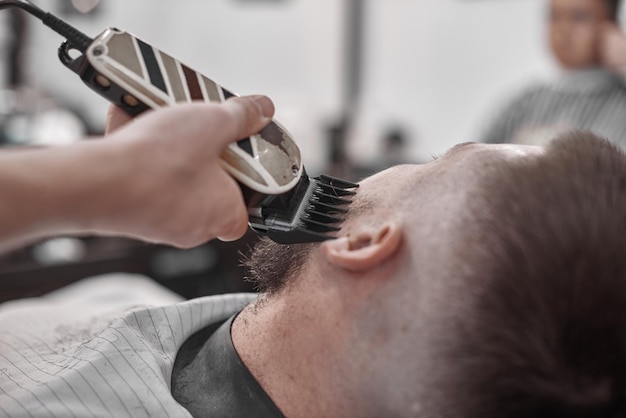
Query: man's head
[575, 27]
[490, 282]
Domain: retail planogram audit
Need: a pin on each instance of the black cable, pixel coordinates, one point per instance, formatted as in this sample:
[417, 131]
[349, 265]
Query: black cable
[76, 38]
[24, 5]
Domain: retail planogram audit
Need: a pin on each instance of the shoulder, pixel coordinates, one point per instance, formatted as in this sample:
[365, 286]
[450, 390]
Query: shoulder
[531, 93]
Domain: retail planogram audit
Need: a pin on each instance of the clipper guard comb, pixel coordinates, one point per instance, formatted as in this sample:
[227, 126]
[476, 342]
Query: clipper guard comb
[283, 202]
[309, 213]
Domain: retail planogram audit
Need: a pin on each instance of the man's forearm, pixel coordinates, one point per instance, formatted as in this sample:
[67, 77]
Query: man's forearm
[46, 192]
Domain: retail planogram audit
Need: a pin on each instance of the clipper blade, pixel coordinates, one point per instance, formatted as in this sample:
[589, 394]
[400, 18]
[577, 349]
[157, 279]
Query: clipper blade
[312, 212]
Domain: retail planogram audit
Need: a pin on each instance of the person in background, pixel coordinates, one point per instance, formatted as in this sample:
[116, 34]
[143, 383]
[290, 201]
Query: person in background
[589, 92]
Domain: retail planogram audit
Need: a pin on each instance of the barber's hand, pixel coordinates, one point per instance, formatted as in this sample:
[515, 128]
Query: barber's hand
[176, 190]
[116, 118]
[613, 49]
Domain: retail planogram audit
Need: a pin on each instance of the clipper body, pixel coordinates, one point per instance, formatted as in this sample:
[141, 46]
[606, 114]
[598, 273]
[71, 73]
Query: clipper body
[136, 76]
[283, 202]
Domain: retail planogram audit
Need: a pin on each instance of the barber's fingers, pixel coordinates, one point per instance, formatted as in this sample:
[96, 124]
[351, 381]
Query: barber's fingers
[216, 210]
[116, 118]
[248, 115]
[236, 223]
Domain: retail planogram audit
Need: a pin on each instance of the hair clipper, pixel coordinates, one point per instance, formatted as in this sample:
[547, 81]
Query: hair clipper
[283, 202]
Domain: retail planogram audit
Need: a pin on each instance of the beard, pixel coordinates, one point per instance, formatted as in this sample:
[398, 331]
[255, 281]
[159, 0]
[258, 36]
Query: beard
[271, 267]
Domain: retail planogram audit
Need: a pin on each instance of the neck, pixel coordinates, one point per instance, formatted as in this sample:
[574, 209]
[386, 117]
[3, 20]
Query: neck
[294, 350]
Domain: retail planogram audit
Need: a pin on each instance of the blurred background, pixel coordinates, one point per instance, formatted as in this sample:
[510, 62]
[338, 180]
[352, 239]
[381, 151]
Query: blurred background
[361, 85]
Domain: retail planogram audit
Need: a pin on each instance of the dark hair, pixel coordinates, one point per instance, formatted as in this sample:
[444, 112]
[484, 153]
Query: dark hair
[547, 334]
[272, 266]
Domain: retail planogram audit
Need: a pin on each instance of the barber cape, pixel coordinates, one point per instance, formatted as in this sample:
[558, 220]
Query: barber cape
[96, 356]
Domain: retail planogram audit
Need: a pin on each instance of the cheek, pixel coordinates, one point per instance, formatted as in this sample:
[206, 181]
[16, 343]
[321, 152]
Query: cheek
[557, 31]
[576, 47]
[584, 39]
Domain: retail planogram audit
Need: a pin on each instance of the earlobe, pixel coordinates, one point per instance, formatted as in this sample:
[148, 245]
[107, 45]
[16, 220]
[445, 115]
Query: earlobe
[364, 250]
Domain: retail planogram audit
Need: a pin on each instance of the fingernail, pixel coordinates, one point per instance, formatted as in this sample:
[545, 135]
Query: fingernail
[264, 104]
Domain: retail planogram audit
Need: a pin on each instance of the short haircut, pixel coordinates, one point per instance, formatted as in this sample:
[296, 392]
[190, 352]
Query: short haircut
[547, 332]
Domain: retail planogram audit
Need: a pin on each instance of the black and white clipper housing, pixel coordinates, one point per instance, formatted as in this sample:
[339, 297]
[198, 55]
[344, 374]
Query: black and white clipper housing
[137, 77]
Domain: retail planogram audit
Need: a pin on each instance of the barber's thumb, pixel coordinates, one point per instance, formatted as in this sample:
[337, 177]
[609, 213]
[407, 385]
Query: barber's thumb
[250, 114]
[264, 105]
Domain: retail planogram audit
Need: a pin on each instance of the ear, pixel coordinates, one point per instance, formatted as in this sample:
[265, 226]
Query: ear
[364, 250]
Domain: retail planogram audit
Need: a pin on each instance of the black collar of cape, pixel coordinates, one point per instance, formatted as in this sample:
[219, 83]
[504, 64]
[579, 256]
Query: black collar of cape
[209, 378]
